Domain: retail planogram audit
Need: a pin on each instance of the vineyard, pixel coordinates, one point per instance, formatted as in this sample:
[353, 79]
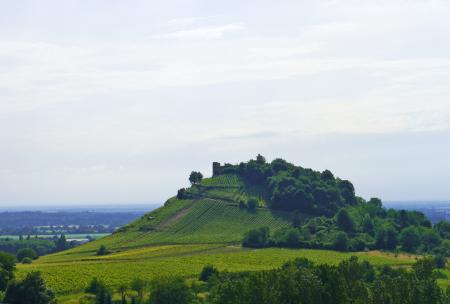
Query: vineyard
[186, 260]
[181, 237]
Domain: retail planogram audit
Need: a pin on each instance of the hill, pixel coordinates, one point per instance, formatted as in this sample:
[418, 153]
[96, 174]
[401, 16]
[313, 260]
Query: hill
[206, 224]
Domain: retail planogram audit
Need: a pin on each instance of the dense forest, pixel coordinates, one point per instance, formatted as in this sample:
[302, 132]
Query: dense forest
[338, 218]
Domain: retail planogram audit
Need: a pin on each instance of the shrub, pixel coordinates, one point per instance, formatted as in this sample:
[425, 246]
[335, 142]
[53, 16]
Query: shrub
[256, 238]
[410, 239]
[252, 203]
[27, 260]
[171, 291]
[102, 250]
[31, 290]
[26, 253]
[341, 241]
[344, 221]
[207, 272]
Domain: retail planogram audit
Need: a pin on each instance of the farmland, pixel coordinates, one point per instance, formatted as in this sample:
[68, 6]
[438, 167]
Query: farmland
[185, 260]
[181, 238]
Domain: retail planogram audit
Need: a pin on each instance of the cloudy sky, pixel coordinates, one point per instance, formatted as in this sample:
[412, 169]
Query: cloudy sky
[117, 101]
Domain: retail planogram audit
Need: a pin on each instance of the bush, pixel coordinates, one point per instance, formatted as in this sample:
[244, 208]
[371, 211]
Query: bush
[26, 253]
[341, 241]
[207, 272]
[410, 239]
[31, 290]
[102, 250]
[256, 238]
[27, 260]
[252, 203]
[441, 261]
[171, 291]
[344, 221]
[182, 194]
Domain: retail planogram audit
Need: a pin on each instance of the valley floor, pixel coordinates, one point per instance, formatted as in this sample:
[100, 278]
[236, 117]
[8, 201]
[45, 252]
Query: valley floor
[68, 273]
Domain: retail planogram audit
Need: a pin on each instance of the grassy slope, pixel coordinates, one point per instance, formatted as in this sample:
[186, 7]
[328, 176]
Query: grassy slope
[180, 238]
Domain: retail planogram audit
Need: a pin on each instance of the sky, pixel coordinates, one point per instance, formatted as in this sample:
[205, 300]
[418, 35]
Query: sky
[113, 102]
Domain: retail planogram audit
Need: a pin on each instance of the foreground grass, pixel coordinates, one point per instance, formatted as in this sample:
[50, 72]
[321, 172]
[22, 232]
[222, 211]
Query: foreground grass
[69, 275]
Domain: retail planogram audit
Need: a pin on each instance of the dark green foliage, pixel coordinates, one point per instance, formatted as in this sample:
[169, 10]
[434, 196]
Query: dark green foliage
[207, 272]
[410, 239]
[367, 224]
[26, 253]
[341, 242]
[289, 237]
[256, 238]
[139, 286]
[26, 260]
[195, 177]
[182, 194]
[344, 221]
[31, 290]
[351, 281]
[40, 246]
[335, 208]
[102, 250]
[171, 291]
[252, 203]
[7, 267]
[440, 261]
[295, 188]
[443, 228]
[260, 160]
[61, 243]
[102, 294]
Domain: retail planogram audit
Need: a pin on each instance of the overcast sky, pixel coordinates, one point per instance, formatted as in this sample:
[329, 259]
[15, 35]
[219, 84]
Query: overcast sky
[117, 101]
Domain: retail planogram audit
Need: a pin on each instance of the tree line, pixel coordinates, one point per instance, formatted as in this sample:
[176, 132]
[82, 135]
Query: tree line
[298, 281]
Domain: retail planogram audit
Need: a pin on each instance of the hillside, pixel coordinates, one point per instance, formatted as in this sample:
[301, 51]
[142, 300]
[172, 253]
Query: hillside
[213, 217]
[206, 223]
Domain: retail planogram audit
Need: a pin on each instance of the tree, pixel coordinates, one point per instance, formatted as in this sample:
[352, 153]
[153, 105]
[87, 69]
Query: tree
[367, 224]
[207, 272]
[430, 239]
[61, 243]
[171, 291]
[327, 175]
[256, 238]
[341, 241]
[252, 203]
[123, 289]
[410, 239]
[26, 253]
[102, 250]
[344, 220]
[181, 194]
[195, 177]
[440, 261]
[260, 160]
[391, 238]
[139, 286]
[7, 267]
[31, 290]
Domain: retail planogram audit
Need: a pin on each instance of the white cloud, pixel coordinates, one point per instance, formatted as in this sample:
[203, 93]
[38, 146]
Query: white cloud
[357, 68]
[202, 33]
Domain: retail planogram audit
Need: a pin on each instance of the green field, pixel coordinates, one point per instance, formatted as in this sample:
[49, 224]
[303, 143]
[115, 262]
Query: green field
[70, 273]
[182, 237]
[77, 236]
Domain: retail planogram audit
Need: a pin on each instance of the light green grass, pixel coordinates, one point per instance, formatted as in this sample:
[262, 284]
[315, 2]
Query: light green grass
[70, 275]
